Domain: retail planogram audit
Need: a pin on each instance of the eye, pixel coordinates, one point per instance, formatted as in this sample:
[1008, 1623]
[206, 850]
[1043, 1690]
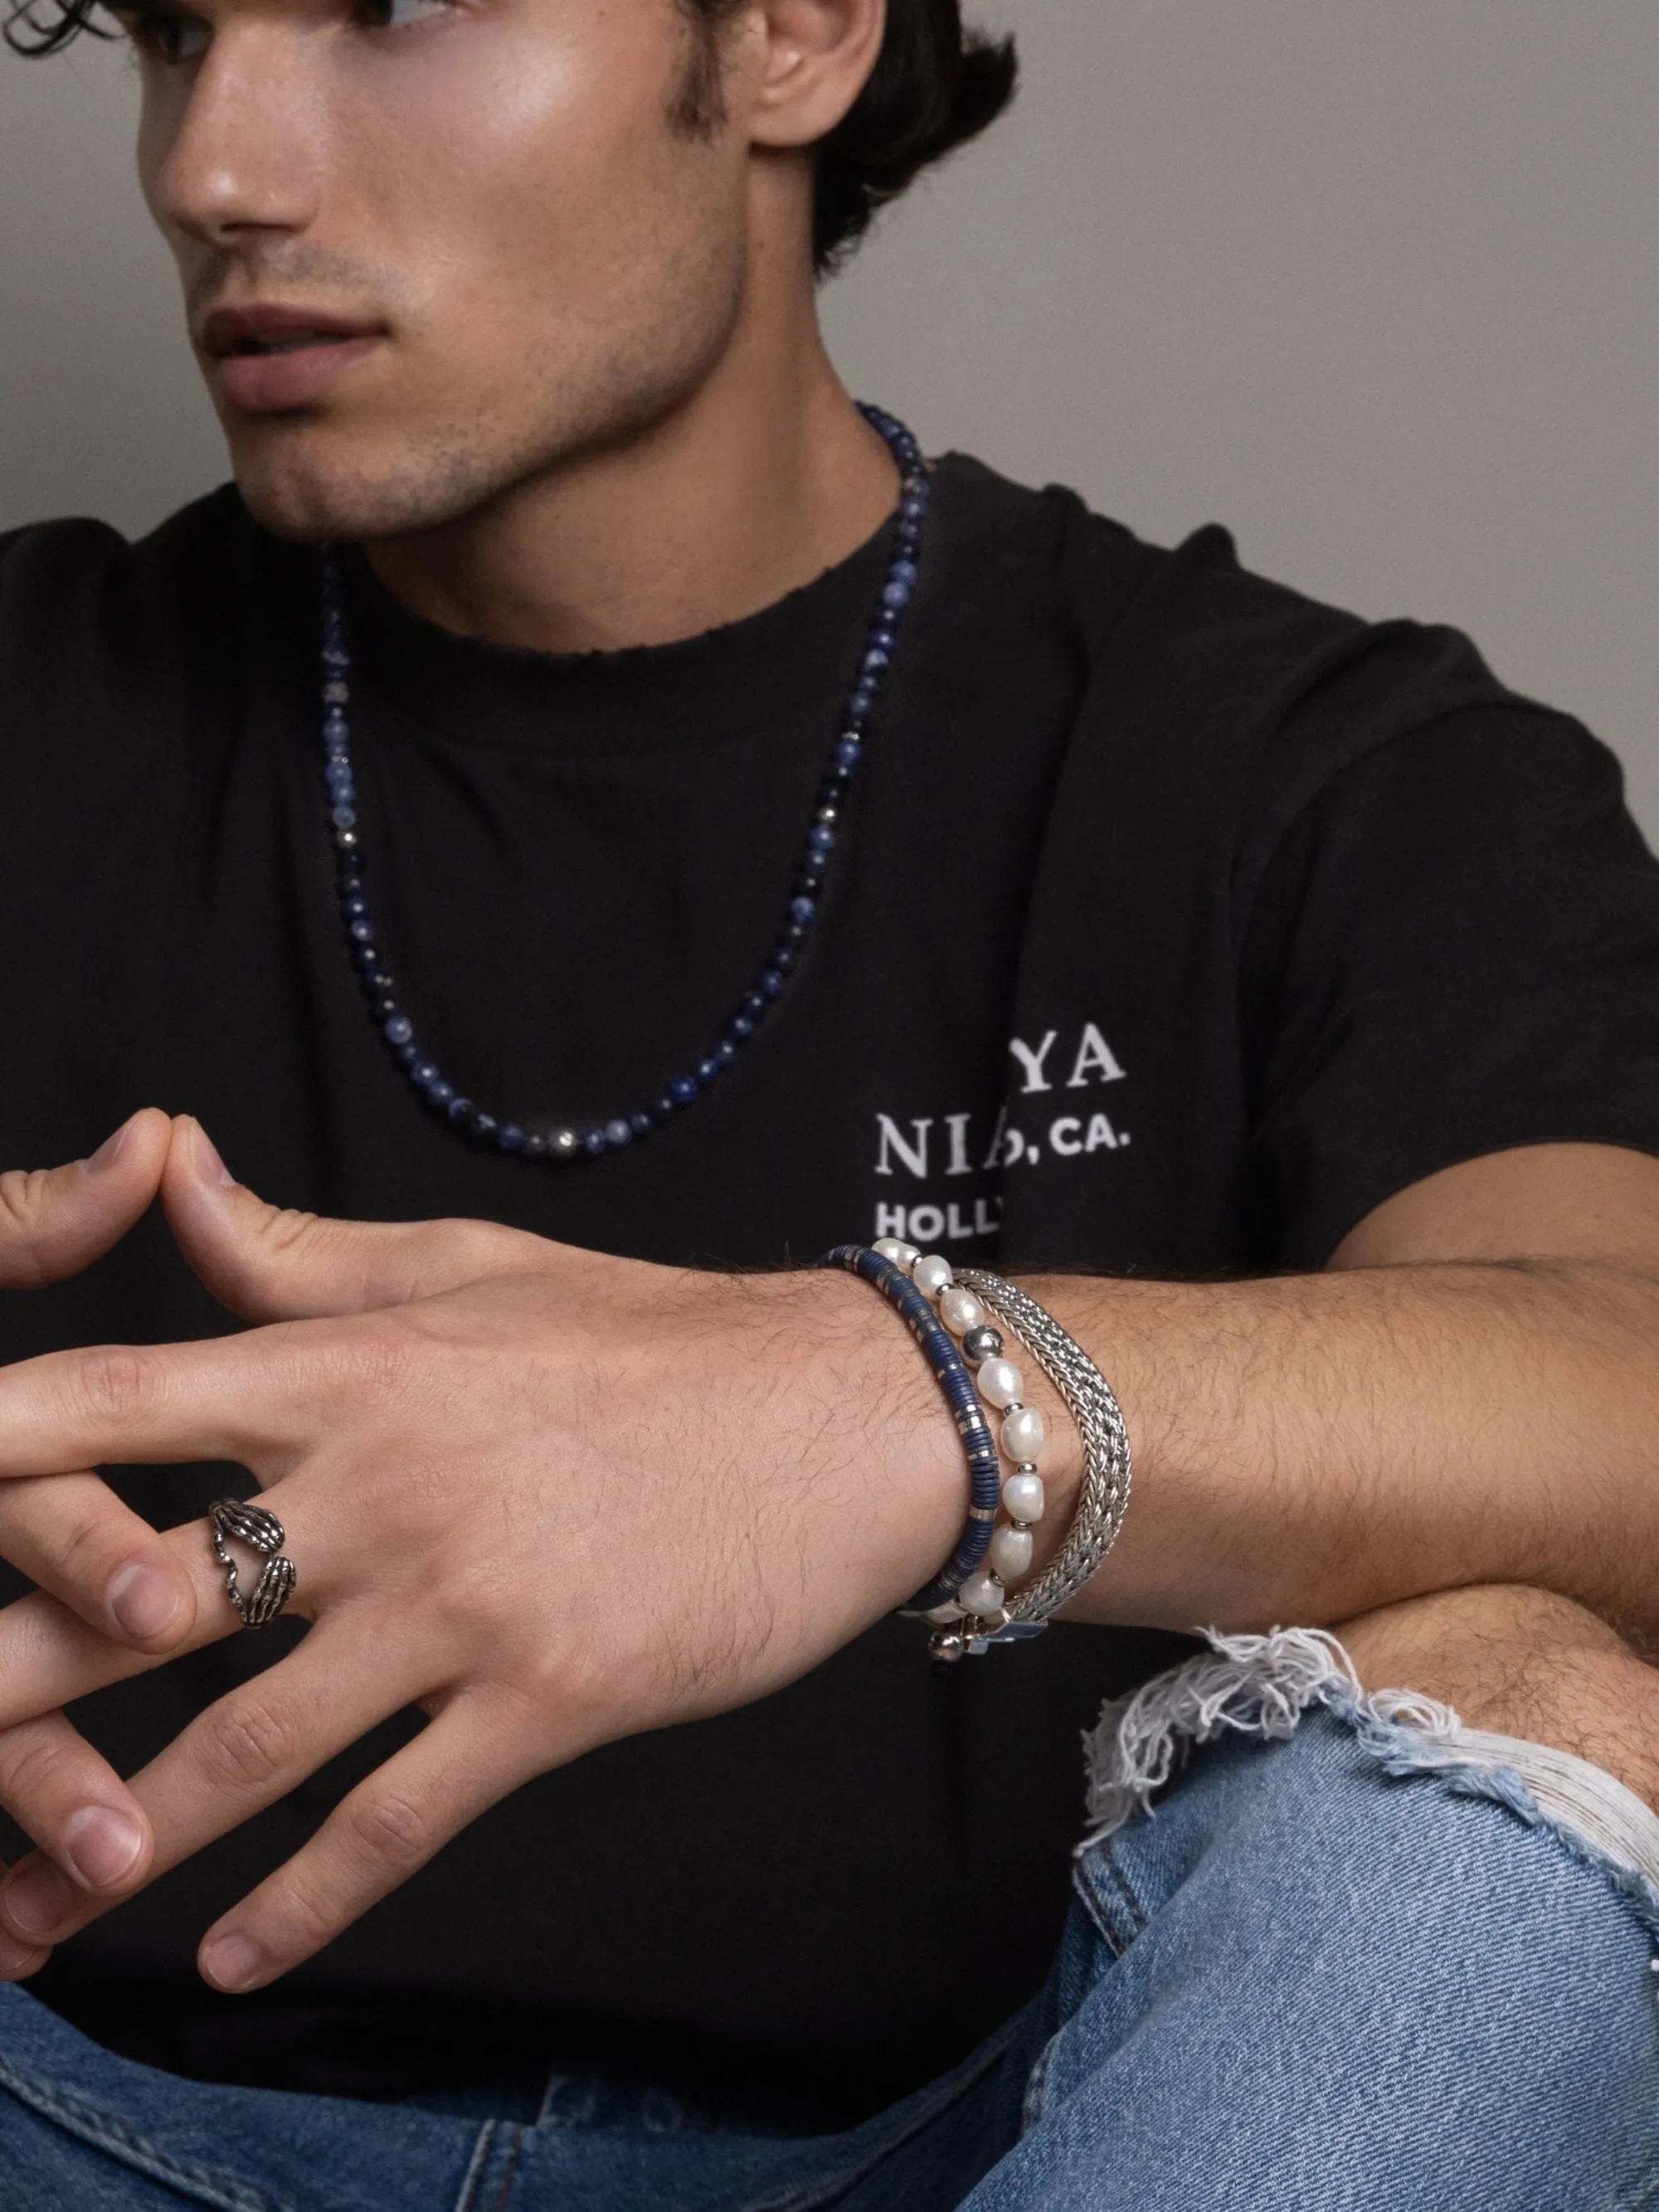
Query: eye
[400, 15]
[173, 41]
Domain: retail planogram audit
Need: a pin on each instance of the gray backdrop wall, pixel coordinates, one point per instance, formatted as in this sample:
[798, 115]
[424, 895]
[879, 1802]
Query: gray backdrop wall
[1377, 285]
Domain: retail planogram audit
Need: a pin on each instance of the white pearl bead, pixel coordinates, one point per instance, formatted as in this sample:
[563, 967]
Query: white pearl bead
[1023, 1433]
[982, 1595]
[931, 1275]
[1000, 1382]
[1010, 1553]
[960, 1310]
[901, 1255]
[1024, 1498]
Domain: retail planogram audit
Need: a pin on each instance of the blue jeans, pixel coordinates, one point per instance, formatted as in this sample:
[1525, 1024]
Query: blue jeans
[1353, 1957]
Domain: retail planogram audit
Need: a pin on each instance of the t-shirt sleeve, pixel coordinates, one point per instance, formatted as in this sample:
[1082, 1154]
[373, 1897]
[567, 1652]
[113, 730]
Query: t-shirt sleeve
[1452, 950]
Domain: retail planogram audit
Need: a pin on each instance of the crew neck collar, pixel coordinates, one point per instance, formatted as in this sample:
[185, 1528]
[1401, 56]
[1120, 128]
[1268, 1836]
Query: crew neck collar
[744, 676]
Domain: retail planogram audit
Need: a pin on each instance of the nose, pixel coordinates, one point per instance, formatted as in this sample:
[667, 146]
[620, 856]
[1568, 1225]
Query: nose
[241, 156]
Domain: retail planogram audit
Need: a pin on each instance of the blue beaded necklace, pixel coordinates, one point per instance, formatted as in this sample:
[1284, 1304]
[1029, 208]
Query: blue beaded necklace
[561, 1144]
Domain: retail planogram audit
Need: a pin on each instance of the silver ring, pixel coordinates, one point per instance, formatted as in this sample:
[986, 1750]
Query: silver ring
[261, 1531]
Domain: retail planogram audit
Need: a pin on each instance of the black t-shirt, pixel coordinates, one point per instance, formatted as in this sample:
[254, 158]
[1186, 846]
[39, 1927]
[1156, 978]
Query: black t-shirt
[1178, 921]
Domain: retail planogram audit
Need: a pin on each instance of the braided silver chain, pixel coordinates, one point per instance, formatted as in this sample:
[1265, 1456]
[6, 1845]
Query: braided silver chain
[1104, 1498]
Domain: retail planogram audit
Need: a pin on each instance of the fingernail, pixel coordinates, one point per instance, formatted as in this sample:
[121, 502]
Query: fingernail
[232, 1961]
[142, 1600]
[112, 1148]
[37, 1899]
[209, 1165]
[101, 1844]
[19, 1960]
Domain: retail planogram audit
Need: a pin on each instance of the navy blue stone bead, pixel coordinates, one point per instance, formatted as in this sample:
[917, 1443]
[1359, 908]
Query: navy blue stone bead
[618, 1134]
[683, 1089]
[535, 1145]
[896, 595]
[344, 817]
[407, 1054]
[399, 1029]
[725, 1052]
[509, 1138]
[858, 706]
[666, 1109]
[593, 1142]
[754, 1005]
[425, 1072]
[784, 958]
[441, 1094]
[905, 572]
[771, 982]
[708, 1072]
[459, 1110]
[876, 659]
[801, 911]
[822, 838]
[849, 751]
[366, 957]
[741, 1027]
[795, 933]
[641, 1124]
[361, 929]
[354, 907]
[484, 1126]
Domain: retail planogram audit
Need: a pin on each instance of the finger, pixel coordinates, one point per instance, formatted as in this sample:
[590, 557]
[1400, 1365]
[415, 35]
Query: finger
[49, 1656]
[375, 1838]
[95, 1840]
[272, 1263]
[55, 1221]
[243, 1752]
[72, 1535]
[263, 1398]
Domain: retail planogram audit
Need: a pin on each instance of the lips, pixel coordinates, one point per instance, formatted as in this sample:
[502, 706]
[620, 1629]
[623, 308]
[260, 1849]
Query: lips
[271, 360]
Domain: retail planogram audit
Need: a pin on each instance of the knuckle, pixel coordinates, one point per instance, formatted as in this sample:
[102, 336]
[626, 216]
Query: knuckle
[24, 1198]
[35, 1763]
[389, 1830]
[111, 1382]
[246, 1744]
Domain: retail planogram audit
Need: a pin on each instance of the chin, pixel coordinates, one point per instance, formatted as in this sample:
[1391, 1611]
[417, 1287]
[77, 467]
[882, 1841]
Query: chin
[300, 483]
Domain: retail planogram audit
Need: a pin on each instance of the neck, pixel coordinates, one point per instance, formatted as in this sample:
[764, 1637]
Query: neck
[765, 477]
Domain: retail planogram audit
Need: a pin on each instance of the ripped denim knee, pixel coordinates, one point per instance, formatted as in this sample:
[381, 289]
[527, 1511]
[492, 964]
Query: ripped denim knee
[1260, 1686]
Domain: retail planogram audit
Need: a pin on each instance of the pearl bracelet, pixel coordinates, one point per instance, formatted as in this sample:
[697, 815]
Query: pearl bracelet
[981, 1598]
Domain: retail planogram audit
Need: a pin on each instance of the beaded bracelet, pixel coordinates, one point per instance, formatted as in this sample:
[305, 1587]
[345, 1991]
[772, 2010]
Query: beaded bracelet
[1022, 1434]
[984, 1473]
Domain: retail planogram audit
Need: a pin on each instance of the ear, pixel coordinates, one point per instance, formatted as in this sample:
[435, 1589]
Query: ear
[816, 58]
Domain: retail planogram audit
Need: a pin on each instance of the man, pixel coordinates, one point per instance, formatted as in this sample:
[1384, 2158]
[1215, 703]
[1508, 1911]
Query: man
[1276, 998]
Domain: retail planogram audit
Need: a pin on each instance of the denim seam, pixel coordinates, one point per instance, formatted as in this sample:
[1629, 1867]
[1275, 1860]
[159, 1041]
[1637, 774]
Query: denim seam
[1116, 1938]
[108, 2132]
[514, 2156]
[467, 2201]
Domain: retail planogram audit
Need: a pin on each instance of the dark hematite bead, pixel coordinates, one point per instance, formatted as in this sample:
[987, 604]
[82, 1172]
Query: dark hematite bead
[339, 781]
[981, 1344]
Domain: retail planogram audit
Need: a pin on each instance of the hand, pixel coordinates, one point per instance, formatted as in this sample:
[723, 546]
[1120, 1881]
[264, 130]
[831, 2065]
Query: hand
[73, 1536]
[549, 1497]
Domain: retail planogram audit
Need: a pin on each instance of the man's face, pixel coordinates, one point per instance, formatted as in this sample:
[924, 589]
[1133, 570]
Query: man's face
[430, 247]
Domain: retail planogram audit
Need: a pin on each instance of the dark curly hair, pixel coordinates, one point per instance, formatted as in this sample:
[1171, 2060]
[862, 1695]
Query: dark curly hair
[934, 87]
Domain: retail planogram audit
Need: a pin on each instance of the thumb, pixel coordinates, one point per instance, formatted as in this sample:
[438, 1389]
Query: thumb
[55, 1221]
[275, 1263]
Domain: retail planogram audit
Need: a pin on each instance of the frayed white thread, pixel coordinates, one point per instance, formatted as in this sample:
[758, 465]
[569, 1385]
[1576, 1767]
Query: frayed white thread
[1257, 1686]
[1262, 1686]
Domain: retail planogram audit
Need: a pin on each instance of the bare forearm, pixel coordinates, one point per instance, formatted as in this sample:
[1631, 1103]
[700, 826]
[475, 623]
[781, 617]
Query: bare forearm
[1310, 1448]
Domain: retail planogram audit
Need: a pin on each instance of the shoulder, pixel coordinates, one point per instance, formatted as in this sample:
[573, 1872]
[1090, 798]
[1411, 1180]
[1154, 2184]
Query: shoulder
[76, 583]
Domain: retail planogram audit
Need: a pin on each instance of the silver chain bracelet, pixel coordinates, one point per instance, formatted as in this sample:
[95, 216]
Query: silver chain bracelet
[1103, 1498]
